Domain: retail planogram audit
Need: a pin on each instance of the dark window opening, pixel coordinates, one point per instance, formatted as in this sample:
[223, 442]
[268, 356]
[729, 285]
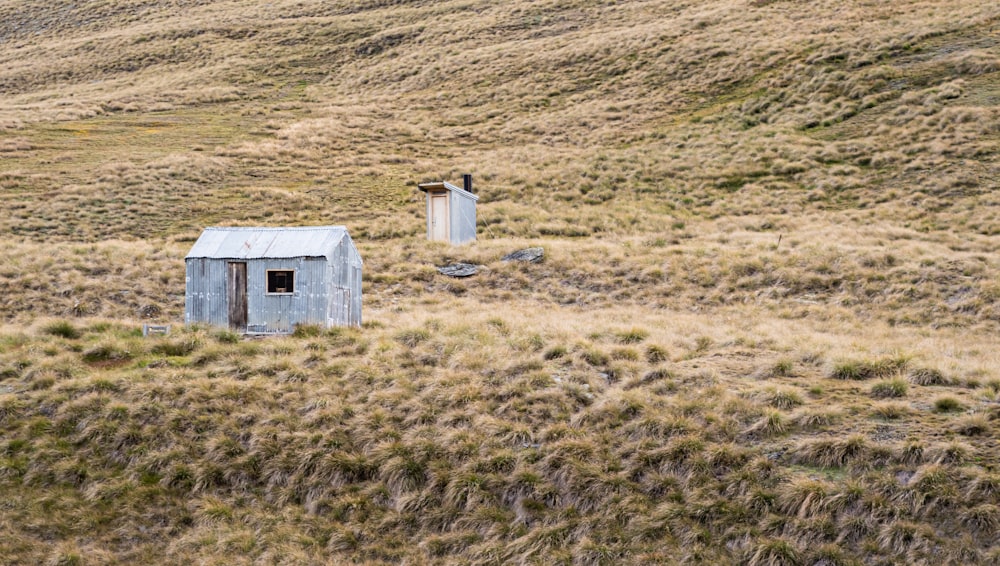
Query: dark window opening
[280, 281]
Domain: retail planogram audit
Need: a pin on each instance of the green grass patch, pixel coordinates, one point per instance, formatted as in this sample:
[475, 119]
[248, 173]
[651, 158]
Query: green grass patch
[948, 405]
[63, 329]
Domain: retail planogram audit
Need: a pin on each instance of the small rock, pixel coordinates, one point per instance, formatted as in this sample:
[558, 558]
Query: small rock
[528, 255]
[149, 311]
[459, 270]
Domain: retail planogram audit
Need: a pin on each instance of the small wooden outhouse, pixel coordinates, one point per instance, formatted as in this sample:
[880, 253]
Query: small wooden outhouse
[451, 211]
[268, 280]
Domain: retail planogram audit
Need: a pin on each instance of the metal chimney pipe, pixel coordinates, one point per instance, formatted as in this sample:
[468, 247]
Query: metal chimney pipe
[467, 182]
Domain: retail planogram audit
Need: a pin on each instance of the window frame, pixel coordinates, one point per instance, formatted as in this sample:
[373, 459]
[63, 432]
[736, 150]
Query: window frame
[267, 282]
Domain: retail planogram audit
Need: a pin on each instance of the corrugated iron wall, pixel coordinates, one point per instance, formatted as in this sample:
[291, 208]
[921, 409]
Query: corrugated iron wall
[280, 313]
[463, 217]
[205, 299]
[327, 294]
[344, 308]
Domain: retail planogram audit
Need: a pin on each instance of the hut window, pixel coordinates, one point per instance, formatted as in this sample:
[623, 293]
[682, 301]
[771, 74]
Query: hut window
[280, 281]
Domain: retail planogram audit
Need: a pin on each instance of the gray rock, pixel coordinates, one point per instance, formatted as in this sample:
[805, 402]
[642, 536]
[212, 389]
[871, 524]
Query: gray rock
[528, 255]
[459, 270]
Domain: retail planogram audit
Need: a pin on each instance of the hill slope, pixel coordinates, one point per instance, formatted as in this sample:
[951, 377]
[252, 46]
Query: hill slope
[764, 330]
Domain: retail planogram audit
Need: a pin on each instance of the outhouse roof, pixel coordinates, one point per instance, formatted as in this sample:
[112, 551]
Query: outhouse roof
[439, 185]
[257, 243]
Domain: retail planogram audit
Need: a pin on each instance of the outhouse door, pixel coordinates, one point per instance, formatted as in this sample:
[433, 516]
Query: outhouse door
[440, 229]
[236, 294]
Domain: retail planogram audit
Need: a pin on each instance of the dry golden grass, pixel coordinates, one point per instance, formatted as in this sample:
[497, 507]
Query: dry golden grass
[763, 332]
[421, 427]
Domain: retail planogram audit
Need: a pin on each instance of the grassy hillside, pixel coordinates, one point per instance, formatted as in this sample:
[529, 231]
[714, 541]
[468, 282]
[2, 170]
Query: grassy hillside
[764, 331]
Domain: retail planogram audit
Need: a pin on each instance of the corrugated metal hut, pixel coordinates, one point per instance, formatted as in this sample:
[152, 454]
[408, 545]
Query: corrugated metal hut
[267, 280]
[451, 211]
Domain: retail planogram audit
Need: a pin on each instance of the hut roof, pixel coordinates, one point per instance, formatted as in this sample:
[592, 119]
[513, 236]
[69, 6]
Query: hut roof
[256, 243]
[439, 185]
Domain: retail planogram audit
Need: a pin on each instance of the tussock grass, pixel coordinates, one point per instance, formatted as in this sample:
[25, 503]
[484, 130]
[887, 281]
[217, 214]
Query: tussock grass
[927, 376]
[64, 329]
[973, 425]
[783, 398]
[110, 351]
[393, 453]
[718, 199]
[889, 388]
[816, 418]
[773, 423]
[834, 453]
[892, 411]
[655, 354]
[868, 369]
[948, 404]
[451, 457]
[772, 552]
[781, 368]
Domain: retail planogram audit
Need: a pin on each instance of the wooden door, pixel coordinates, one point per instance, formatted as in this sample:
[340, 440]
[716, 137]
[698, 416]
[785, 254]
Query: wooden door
[440, 229]
[236, 295]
